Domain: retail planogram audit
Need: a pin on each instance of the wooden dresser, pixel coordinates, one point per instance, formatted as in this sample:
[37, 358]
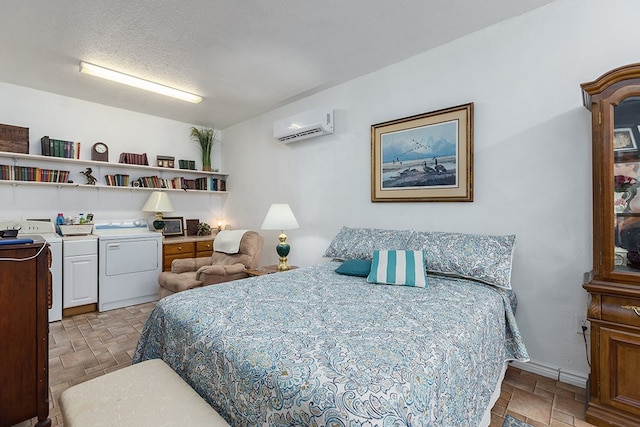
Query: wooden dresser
[614, 285]
[185, 247]
[25, 297]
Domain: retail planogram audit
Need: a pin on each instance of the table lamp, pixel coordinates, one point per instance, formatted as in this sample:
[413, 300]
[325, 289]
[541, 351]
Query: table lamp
[158, 202]
[280, 217]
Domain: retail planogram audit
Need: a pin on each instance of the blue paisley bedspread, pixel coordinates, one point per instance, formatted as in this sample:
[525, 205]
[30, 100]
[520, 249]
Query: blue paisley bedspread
[309, 347]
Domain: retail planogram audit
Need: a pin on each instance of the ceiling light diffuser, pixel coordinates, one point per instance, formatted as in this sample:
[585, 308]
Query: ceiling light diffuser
[126, 79]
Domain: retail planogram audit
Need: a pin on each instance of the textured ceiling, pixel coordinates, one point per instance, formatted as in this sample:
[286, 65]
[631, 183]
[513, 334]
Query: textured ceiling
[244, 57]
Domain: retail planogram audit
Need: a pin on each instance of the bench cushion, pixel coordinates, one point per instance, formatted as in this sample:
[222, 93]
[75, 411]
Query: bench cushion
[149, 393]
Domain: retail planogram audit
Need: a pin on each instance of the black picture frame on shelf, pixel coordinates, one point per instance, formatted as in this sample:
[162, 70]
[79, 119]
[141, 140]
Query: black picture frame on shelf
[192, 227]
[173, 226]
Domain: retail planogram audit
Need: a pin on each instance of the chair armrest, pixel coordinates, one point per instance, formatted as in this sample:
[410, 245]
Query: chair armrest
[221, 270]
[182, 265]
[211, 274]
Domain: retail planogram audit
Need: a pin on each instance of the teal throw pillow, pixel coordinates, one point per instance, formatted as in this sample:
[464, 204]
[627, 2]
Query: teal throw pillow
[355, 267]
[398, 267]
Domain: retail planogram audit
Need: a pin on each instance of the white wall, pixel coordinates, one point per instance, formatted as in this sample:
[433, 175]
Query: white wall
[123, 131]
[532, 158]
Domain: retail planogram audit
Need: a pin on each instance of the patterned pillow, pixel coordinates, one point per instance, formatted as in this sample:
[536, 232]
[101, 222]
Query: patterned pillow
[359, 243]
[398, 268]
[355, 267]
[483, 258]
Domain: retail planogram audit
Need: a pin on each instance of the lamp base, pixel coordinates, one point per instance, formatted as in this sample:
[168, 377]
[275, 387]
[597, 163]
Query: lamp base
[158, 222]
[283, 264]
[283, 249]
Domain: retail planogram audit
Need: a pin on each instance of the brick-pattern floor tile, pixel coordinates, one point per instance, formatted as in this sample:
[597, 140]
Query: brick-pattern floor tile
[88, 345]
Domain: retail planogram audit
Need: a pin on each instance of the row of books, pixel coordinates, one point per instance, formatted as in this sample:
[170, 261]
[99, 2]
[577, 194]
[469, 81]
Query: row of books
[29, 173]
[59, 148]
[207, 184]
[117, 180]
[134, 159]
[187, 164]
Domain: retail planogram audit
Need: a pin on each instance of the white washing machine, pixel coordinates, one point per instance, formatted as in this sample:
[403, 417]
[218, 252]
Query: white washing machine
[48, 232]
[129, 262]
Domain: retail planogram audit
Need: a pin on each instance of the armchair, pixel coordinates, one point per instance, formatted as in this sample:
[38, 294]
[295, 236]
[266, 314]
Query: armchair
[189, 273]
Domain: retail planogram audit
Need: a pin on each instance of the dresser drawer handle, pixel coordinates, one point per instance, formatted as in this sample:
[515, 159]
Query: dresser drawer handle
[635, 309]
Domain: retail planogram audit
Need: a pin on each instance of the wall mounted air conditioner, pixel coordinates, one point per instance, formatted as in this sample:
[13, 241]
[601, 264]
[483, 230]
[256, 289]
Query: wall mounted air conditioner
[304, 125]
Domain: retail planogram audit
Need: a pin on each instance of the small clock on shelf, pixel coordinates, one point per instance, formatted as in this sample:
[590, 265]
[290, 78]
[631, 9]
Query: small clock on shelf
[100, 152]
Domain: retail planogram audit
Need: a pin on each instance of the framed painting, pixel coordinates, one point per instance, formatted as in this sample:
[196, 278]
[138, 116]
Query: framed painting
[424, 158]
[173, 226]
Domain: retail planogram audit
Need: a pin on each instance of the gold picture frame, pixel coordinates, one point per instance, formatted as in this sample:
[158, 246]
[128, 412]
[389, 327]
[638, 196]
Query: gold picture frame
[424, 158]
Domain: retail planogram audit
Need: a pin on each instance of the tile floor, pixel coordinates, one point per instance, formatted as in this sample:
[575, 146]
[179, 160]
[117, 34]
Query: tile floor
[540, 401]
[89, 345]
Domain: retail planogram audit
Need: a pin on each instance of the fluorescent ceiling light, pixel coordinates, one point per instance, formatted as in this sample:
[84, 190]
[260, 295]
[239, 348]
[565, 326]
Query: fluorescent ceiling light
[126, 79]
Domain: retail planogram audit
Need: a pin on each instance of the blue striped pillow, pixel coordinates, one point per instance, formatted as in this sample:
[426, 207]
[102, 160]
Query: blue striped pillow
[398, 268]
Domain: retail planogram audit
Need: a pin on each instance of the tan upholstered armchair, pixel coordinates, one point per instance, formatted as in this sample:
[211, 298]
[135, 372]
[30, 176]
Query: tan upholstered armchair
[189, 273]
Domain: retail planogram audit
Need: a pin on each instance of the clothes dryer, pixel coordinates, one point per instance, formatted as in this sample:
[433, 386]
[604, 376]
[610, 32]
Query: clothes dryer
[129, 262]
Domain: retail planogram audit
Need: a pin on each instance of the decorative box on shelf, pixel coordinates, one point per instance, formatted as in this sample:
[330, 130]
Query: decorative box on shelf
[14, 139]
[165, 161]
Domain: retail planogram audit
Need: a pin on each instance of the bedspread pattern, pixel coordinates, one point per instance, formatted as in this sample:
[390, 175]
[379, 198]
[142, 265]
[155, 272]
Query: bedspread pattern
[314, 348]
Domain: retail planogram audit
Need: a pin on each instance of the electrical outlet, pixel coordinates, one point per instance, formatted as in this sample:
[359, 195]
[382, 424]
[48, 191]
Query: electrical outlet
[580, 323]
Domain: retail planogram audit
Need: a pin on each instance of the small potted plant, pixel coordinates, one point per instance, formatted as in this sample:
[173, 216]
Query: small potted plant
[204, 229]
[205, 137]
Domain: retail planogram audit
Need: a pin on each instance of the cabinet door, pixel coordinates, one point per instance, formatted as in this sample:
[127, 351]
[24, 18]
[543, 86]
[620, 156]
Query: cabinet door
[18, 340]
[620, 363]
[614, 101]
[80, 280]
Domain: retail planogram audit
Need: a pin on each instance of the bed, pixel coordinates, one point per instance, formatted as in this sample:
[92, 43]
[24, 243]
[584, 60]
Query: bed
[313, 347]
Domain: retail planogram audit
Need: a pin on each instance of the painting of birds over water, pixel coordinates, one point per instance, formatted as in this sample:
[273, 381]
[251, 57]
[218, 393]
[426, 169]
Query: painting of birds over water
[421, 157]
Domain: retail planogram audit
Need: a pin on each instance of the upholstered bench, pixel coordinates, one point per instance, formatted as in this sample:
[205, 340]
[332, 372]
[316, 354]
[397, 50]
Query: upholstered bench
[149, 393]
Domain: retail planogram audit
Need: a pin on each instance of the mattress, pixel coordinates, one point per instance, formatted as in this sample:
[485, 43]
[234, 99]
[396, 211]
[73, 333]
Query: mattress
[312, 347]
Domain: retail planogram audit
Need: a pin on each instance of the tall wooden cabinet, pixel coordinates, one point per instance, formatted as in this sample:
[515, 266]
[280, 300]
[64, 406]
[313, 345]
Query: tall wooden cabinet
[25, 297]
[614, 288]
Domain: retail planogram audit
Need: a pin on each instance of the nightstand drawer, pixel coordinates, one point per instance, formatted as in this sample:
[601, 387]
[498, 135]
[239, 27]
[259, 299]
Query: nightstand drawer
[621, 310]
[179, 248]
[204, 246]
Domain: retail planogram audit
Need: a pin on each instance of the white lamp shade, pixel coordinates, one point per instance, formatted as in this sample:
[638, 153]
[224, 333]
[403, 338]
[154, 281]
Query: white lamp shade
[280, 217]
[158, 201]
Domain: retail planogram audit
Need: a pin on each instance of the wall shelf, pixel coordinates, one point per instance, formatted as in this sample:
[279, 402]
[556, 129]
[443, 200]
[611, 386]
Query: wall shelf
[101, 186]
[98, 166]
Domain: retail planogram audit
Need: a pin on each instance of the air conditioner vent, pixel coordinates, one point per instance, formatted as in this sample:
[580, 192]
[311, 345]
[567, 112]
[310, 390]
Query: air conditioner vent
[305, 125]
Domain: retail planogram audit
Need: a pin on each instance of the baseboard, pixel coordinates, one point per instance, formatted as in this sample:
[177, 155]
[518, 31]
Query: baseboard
[573, 378]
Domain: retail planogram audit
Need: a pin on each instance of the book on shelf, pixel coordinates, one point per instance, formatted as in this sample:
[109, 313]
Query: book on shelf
[59, 148]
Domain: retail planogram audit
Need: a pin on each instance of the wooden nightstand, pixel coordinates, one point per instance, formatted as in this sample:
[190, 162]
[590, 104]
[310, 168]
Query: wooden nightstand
[267, 269]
